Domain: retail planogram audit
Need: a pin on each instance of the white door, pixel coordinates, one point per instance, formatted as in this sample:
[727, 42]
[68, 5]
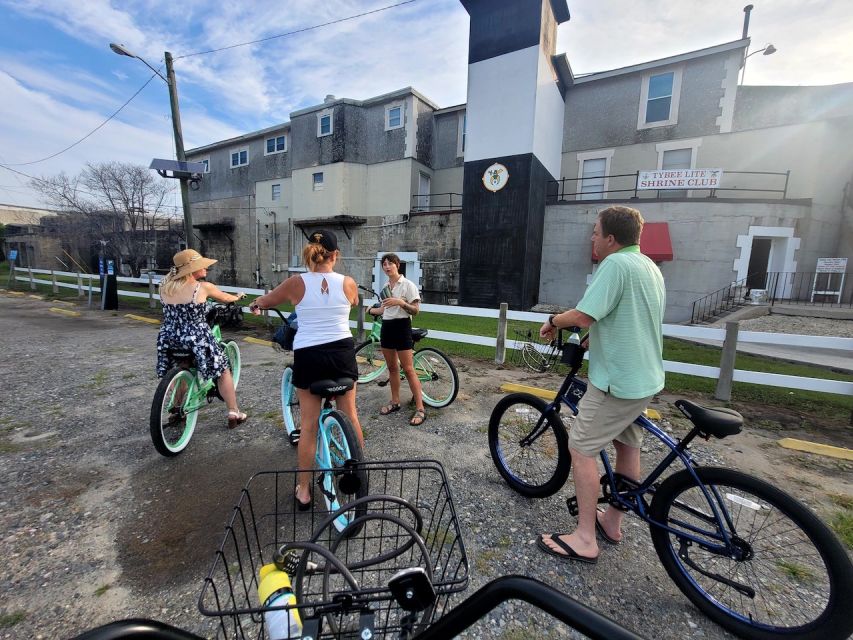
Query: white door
[423, 192]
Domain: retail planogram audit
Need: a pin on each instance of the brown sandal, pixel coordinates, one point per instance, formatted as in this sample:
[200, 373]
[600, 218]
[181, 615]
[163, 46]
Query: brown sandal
[235, 418]
[389, 408]
[417, 418]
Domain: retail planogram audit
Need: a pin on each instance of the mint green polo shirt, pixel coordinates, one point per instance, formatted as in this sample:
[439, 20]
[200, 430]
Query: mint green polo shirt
[627, 299]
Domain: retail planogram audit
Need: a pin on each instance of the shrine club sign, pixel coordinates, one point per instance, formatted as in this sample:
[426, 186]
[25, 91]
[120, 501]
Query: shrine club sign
[680, 179]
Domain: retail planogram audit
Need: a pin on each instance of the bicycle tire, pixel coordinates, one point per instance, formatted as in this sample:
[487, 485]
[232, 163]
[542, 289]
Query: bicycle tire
[371, 362]
[341, 444]
[232, 351]
[799, 570]
[171, 427]
[512, 419]
[438, 377]
[290, 413]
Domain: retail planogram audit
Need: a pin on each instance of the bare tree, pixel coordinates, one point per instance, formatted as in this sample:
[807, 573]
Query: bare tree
[118, 203]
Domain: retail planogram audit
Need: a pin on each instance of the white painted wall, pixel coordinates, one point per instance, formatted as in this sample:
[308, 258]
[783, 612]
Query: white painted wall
[548, 123]
[501, 105]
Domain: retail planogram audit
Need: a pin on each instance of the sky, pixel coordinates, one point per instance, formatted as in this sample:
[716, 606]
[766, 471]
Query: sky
[59, 80]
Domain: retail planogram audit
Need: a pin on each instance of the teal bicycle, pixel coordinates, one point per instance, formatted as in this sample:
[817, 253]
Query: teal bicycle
[338, 447]
[182, 393]
[437, 374]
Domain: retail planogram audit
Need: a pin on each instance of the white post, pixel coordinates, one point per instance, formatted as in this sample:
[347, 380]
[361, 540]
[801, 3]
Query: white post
[727, 363]
[79, 285]
[151, 303]
[500, 347]
[32, 282]
[53, 279]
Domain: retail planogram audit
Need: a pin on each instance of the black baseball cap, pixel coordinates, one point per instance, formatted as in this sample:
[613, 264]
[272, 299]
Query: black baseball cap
[325, 238]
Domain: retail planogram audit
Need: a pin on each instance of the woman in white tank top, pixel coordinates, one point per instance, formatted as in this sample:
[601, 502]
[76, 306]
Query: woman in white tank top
[324, 347]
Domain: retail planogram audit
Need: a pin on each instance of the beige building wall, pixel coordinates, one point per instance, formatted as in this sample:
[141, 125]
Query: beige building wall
[14, 214]
[390, 187]
[446, 181]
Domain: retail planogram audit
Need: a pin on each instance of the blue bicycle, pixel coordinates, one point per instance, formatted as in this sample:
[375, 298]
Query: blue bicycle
[338, 447]
[748, 555]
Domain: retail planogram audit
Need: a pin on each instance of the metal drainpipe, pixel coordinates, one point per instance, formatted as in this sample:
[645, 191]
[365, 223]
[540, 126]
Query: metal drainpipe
[257, 249]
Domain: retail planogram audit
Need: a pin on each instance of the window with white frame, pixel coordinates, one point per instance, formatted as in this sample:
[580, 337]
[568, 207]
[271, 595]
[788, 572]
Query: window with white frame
[276, 192]
[461, 127]
[239, 158]
[659, 97]
[317, 181]
[277, 144]
[324, 123]
[593, 174]
[206, 163]
[677, 154]
[393, 117]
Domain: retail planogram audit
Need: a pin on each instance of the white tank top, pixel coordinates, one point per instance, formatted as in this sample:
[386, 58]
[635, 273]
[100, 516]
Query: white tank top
[323, 312]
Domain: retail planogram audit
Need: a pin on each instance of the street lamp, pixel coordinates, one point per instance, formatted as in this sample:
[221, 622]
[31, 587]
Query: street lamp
[121, 50]
[768, 50]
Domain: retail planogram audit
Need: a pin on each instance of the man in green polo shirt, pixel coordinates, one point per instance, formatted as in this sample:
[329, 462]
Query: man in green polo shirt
[623, 308]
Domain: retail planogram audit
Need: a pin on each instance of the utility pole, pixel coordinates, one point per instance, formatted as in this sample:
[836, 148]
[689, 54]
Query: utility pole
[179, 146]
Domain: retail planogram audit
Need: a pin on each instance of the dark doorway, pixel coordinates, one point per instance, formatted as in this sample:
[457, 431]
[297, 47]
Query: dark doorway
[756, 273]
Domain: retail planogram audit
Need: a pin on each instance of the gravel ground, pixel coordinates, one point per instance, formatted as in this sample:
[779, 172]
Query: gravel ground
[96, 526]
[799, 325]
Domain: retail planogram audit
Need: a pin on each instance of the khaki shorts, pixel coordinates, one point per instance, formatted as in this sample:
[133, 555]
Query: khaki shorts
[603, 418]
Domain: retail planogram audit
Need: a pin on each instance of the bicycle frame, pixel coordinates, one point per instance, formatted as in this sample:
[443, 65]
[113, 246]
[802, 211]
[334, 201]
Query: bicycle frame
[633, 499]
[198, 395]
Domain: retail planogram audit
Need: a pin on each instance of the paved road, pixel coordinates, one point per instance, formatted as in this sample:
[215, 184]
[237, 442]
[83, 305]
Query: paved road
[96, 526]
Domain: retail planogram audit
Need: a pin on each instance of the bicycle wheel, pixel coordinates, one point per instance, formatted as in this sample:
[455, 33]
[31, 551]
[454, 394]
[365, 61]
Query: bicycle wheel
[538, 468]
[290, 406]
[371, 362]
[789, 574]
[232, 350]
[171, 423]
[439, 380]
[337, 444]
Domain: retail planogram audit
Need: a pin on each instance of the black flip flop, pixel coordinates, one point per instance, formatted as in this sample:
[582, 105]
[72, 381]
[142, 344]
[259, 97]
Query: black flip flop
[600, 531]
[569, 555]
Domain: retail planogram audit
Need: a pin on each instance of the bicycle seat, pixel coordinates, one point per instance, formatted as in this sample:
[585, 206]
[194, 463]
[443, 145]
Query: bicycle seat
[419, 334]
[329, 388]
[719, 422]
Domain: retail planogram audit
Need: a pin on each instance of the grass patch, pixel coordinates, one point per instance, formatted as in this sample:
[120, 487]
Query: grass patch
[102, 590]
[486, 560]
[442, 536]
[842, 523]
[98, 380]
[795, 571]
[271, 415]
[8, 620]
[9, 447]
[843, 501]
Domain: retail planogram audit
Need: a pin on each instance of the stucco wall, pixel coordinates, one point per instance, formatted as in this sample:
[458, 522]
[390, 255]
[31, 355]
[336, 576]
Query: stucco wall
[704, 238]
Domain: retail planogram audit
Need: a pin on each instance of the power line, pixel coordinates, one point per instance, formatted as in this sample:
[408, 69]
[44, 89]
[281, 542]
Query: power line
[290, 33]
[114, 114]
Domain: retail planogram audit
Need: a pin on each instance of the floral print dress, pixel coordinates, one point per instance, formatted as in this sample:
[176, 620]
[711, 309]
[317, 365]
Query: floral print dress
[184, 327]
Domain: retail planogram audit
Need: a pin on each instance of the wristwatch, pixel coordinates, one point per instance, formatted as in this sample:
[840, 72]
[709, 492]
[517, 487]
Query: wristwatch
[551, 320]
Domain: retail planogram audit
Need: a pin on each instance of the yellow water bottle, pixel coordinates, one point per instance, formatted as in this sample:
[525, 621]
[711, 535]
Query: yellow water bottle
[274, 590]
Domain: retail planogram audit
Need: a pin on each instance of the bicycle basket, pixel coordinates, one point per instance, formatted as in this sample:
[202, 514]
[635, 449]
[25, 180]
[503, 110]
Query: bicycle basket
[285, 334]
[265, 518]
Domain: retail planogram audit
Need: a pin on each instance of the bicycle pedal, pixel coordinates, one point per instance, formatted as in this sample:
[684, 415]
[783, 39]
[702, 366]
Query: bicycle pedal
[294, 437]
[383, 383]
[572, 505]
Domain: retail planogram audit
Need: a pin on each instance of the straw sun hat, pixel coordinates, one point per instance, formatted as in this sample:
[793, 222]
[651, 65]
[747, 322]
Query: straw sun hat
[189, 261]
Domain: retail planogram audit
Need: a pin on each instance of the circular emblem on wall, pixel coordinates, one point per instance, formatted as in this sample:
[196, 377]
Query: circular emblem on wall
[495, 177]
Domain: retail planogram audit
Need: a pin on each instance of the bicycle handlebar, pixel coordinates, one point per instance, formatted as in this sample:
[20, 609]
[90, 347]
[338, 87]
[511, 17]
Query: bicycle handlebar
[588, 621]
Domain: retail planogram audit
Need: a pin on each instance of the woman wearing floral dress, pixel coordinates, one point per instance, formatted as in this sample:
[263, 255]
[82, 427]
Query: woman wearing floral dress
[183, 294]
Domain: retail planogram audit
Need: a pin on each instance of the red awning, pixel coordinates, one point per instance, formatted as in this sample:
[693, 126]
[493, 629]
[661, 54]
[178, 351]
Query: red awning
[654, 242]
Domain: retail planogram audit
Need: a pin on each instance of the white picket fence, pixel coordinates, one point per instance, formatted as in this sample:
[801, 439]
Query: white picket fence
[670, 330]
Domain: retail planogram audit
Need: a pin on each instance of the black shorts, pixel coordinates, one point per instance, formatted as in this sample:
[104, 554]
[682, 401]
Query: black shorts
[328, 361]
[397, 334]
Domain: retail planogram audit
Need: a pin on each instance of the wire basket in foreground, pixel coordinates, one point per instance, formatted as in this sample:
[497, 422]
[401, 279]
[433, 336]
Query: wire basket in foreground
[402, 498]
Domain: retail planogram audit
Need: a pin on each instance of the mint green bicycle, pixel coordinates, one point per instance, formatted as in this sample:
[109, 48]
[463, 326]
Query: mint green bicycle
[182, 393]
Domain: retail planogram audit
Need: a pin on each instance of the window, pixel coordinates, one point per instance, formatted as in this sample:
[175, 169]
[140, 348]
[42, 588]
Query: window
[593, 174]
[592, 179]
[393, 117]
[462, 127]
[678, 154]
[276, 145]
[318, 181]
[659, 99]
[239, 158]
[324, 123]
[206, 163]
[276, 192]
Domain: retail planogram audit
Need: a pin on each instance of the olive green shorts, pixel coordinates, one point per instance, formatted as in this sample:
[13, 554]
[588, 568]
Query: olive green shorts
[603, 418]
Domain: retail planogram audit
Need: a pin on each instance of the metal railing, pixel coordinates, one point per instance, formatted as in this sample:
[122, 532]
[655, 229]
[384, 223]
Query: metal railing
[436, 202]
[779, 287]
[627, 187]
